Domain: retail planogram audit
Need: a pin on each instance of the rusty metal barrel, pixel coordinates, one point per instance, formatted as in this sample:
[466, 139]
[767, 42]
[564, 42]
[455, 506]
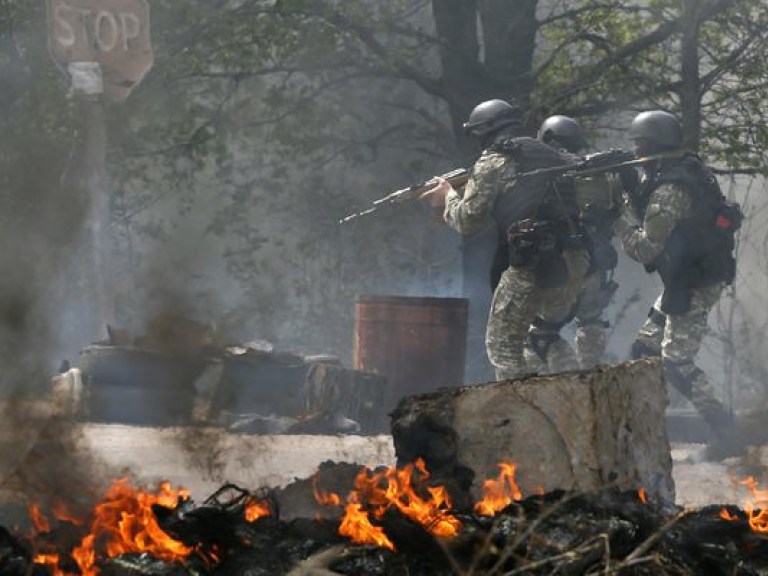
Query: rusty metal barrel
[417, 343]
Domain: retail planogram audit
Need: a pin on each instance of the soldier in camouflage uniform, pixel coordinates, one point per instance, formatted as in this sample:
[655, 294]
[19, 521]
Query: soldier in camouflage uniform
[678, 235]
[595, 196]
[548, 259]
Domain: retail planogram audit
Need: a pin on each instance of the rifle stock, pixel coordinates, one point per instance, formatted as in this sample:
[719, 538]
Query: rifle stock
[457, 178]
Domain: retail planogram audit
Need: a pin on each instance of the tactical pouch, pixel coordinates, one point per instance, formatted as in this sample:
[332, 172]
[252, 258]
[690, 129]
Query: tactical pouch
[675, 270]
[537, 246]
[729, 217]
[728, 221]
[594, 192]
[526, 239]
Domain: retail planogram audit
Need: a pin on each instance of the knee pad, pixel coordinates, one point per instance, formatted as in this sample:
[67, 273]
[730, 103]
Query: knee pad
[542, 335]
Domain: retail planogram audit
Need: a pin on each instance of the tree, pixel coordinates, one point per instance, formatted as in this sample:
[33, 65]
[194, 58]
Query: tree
[302, 111]
[306, 75]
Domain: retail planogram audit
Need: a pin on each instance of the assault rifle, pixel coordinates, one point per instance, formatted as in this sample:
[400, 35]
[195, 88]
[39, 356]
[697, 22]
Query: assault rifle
[457, 178]
[612, 160]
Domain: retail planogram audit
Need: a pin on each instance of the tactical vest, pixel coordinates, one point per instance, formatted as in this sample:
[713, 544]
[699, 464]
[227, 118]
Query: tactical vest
[537, 216]
[539, 198]
[699, 252]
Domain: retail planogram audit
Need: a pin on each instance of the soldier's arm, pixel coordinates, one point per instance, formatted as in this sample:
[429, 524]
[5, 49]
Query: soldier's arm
[469, 212]
[666, 207]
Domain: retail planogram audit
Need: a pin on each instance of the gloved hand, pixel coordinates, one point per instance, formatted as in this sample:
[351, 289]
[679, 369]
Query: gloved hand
[435, 197]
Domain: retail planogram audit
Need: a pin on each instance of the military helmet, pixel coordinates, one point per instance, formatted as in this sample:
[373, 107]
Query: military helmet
[658, 127]
[564, 130]
[490, 116]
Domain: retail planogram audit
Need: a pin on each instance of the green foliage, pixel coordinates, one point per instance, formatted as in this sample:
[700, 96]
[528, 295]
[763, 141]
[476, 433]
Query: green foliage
[261, 113]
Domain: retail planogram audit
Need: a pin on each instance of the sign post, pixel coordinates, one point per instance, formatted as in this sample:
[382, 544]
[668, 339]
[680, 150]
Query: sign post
[104, 46]
[113, 33]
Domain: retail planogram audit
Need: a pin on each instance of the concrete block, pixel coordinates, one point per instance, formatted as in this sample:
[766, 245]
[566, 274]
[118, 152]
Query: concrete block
[574, 431]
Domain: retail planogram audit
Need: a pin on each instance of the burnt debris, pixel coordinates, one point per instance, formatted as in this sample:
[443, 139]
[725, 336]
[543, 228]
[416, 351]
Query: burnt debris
[606, 532]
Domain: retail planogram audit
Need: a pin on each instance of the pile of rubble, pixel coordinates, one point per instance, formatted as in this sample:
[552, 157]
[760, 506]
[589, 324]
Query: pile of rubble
[236, 532]
[180, 373]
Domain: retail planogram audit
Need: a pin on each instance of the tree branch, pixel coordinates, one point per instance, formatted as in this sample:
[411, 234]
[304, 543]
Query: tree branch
[366, 36]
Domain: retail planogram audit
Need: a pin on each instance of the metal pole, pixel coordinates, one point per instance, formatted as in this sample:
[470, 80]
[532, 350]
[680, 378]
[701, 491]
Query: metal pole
[88, 88]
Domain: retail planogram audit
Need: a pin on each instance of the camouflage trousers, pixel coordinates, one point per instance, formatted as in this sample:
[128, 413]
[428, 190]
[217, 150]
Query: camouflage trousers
[517, 302]
[591, 328]
[677, 338]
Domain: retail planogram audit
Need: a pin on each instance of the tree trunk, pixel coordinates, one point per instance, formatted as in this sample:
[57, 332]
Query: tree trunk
[690, 90]
[501, 71]
[469, 77]
[456, 26]
[509, 39]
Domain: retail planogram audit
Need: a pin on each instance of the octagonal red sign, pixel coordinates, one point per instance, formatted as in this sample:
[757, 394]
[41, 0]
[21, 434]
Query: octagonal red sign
[114, 33]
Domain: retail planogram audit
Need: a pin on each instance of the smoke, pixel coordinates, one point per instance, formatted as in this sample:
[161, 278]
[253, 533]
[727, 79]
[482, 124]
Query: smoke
[46, 304]
[43, 459]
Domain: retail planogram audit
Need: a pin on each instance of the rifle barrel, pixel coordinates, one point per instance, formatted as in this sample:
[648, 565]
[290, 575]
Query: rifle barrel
[457, 178]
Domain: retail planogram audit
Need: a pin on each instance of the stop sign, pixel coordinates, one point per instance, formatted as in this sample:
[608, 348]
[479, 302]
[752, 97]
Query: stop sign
[114, 33]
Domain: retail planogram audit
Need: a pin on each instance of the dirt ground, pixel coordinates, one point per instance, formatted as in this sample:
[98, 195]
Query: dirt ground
[201, 460]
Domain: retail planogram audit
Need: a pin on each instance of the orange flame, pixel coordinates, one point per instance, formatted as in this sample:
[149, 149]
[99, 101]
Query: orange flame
[392, 488]
[325, 498]
[500, 492]
[256, 509]
[726, 515]
[357, 526]
[63, 514]
[48, 560]
[757, 508]
[39, 522]
[124, 522]
[642, 495]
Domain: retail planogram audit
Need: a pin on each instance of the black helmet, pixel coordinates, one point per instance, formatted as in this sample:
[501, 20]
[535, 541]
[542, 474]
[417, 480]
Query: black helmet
[660, 128]
[564, 131]
[491, 116]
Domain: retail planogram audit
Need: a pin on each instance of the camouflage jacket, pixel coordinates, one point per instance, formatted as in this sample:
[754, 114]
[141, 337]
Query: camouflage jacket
[470, 212]
[493, 192]
[667, 206]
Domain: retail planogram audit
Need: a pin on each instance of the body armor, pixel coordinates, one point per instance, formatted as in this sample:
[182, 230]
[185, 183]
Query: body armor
[699, 251]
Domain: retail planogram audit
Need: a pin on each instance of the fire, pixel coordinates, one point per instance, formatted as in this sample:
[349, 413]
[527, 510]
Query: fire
[325, 498]
[726, 515]
[357, 526]
[39, 522]
[62, 513]
[374, 494]
[500, 492]
[642, 495]
[757, 508]
[256, 509]
[123, 522]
